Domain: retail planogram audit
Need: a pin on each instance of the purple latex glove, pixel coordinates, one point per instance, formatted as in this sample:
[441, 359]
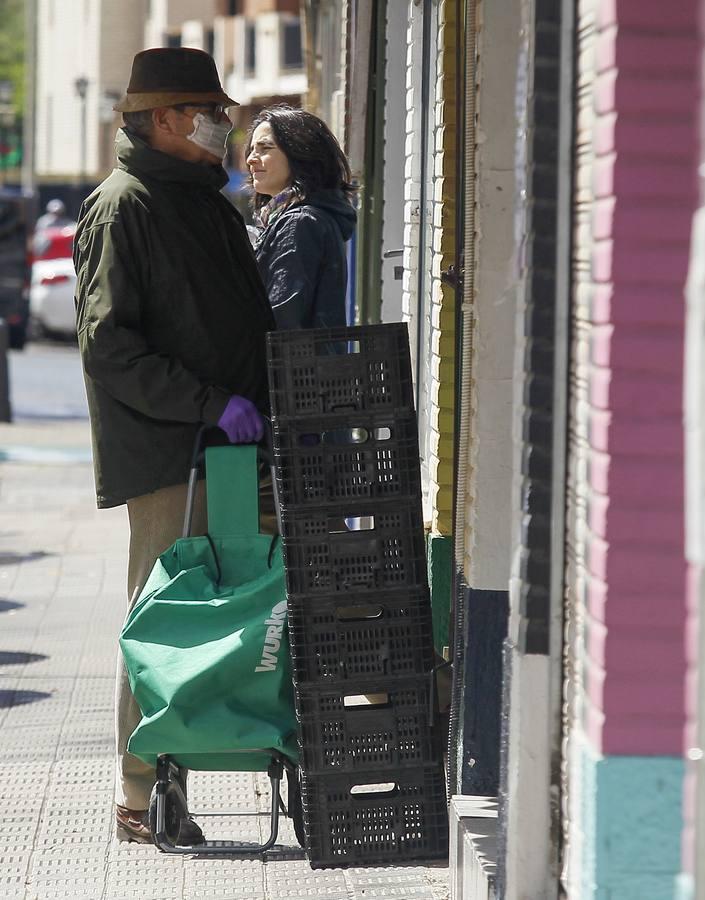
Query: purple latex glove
[241, 421]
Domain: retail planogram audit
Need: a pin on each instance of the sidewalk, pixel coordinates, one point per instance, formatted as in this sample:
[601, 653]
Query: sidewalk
[62, 600]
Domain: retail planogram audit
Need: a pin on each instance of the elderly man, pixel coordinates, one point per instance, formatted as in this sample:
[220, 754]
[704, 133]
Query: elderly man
[171, 318]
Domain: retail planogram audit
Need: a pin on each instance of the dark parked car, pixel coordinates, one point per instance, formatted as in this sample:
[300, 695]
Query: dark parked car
[14, 266]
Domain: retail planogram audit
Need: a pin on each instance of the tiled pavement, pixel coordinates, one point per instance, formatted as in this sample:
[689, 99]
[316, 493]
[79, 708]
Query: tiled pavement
[62, 572]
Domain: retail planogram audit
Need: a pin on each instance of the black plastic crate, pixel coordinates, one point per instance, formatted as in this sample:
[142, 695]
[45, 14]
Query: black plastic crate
[361, 461]
[370, 725]
[346, 825]
[323, 555]
[351, 637]
[319, 371]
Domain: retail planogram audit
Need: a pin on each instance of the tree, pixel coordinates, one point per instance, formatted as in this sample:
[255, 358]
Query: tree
[12, 49]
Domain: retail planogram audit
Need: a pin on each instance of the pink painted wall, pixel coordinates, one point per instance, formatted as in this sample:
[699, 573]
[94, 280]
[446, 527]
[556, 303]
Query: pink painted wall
[644, 181]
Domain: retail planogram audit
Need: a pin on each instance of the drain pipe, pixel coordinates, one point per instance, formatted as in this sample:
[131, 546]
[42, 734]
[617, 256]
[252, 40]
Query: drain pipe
[465, 326]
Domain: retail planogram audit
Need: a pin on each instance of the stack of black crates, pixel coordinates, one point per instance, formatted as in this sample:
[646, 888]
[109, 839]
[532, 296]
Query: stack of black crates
[349, 487]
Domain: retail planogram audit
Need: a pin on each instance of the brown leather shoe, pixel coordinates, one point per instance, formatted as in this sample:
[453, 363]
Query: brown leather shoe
[132, 825]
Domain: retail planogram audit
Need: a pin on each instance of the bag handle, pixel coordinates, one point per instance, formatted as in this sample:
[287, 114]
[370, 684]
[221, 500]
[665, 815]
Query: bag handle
[246, 518]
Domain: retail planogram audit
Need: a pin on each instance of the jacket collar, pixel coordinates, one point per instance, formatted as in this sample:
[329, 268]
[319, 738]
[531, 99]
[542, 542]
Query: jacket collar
[137, 157]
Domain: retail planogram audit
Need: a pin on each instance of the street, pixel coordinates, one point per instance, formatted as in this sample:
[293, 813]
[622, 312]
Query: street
[62, 599]
[46, 382]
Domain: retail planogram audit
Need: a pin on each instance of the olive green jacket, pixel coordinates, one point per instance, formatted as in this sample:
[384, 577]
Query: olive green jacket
[171, 316]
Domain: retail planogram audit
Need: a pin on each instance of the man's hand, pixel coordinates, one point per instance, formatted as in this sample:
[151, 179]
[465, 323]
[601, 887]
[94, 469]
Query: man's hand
[241, 421]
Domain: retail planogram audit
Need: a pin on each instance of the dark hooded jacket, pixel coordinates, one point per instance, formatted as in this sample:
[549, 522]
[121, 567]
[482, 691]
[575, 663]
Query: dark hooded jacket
[301, 258]
[171, 316]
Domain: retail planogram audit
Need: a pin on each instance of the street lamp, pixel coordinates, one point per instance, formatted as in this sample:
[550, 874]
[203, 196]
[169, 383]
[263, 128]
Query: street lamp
[81, 85]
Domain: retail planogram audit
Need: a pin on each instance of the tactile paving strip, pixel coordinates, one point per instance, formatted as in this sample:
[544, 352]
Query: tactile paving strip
[56, 764]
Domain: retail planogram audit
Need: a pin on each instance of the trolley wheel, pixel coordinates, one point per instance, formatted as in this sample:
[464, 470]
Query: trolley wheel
[296, 809]
[173, 813]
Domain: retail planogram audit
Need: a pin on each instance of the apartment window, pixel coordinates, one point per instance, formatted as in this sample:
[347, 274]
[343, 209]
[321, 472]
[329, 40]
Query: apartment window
[250, 45]
[292, 53]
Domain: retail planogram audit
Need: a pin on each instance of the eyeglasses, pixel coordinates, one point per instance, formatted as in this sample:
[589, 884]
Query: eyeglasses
[215, 110]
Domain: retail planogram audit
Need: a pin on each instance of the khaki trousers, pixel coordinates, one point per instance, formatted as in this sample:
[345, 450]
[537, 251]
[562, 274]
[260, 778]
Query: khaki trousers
[156, 521]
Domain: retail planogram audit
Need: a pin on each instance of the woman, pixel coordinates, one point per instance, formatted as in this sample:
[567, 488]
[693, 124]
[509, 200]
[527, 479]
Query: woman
[302, 204]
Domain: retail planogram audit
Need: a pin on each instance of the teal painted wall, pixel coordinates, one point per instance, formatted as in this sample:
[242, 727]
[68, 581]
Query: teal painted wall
[440, 557]
[631, 824]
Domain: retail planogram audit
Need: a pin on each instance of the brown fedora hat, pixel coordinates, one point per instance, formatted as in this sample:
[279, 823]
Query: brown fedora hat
[166, 76]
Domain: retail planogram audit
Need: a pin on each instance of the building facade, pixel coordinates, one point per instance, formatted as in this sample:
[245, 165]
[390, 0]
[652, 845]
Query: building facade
[83, 56]
[84, 50]
[550, 160]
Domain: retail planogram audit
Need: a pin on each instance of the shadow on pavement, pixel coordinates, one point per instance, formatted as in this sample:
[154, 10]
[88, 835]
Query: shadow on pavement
[19, 657]
[14, 559]
[19, 698]
[7, 605]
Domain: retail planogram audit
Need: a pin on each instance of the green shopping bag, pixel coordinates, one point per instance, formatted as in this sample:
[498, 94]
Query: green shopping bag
[206, 646]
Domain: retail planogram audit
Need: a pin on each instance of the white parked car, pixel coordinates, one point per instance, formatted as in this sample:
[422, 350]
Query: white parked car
[53, 283]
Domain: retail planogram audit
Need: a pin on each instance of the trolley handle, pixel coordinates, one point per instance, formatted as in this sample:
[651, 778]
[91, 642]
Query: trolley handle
[197, 458]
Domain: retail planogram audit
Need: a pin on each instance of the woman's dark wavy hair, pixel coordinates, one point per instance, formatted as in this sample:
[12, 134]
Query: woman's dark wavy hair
[314, 155]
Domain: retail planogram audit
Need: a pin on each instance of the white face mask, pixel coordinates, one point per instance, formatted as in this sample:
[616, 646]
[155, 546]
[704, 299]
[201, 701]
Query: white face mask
[209, 135]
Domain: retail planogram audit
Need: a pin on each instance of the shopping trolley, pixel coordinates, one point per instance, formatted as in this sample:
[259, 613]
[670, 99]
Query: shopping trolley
[207, 654]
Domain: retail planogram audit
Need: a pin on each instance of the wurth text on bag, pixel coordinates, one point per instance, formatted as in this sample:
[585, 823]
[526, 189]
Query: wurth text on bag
[273, 639]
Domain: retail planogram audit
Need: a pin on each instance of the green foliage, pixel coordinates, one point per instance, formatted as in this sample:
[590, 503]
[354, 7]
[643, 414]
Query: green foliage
[12, 49]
